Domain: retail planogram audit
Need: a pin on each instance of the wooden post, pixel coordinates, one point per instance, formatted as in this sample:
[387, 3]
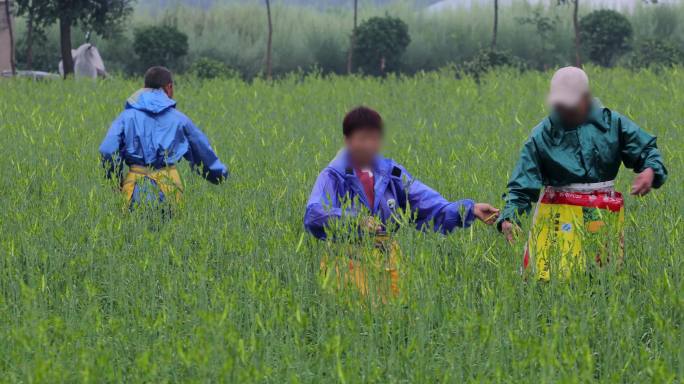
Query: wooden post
[8, 17]
[496, 24]
[29, 37]
[575, 23]
[65, 45]
[352, 41]
[269, 44]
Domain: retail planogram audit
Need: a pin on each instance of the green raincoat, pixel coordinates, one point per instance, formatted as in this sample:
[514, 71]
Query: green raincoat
[590, 153]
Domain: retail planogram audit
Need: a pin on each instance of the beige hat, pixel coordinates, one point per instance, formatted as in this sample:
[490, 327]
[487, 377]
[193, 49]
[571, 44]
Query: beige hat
[568, 86]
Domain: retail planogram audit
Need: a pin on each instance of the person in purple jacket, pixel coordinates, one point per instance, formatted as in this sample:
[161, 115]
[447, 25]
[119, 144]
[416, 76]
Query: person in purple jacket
[359, 181]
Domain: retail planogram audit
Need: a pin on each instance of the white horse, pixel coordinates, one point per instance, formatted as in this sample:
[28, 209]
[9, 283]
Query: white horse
[87, 62]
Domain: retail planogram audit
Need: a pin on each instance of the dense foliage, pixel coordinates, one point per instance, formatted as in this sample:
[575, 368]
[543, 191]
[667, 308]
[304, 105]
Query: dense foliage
[206, 68]
[229, 290]
[605, 35]
[488, 60]
[100, 16]
[380, 43]
[160, 45]
[312, 40]
[656, 53]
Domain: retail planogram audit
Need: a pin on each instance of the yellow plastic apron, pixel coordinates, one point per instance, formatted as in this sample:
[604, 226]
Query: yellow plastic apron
[365, 270]
[573, 227]
[167, 179]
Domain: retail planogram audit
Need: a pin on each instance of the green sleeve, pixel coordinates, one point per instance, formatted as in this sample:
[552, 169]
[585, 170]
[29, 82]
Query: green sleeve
[639, 150]
[524, 185]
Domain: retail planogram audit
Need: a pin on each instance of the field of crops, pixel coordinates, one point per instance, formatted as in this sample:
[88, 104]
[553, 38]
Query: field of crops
[229, 289]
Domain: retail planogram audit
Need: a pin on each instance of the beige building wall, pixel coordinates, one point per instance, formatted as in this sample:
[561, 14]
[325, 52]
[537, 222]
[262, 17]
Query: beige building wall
[5, 42]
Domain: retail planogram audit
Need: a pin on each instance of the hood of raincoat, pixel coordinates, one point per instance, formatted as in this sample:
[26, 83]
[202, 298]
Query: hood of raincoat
[153, 101]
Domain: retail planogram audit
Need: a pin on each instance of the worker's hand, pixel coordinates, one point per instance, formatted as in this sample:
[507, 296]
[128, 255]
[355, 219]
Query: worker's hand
[510, 230]
[643, 182]
[486, 213]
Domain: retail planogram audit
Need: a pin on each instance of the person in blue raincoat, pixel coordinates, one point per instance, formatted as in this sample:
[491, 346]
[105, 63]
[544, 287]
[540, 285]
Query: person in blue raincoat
[151, 136]
[378, 187]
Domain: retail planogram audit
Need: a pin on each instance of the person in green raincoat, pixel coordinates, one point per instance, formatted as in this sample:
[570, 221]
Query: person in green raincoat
[581, 146]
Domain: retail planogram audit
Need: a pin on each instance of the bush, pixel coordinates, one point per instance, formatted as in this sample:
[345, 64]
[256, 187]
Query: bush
[487, 60]
[656, 53]
[206, 68]
[380, 43]
[46, 54]
[160, 45]
[605, 36]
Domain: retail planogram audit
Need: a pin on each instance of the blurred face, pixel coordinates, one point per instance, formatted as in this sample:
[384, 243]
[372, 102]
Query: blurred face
[574, 116]
[363, 145]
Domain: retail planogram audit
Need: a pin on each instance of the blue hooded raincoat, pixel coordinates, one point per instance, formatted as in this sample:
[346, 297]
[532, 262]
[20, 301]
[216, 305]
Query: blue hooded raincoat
[395, 189]
[151, 132]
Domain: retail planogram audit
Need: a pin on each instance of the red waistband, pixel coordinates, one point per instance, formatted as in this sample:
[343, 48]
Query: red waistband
[612, 201]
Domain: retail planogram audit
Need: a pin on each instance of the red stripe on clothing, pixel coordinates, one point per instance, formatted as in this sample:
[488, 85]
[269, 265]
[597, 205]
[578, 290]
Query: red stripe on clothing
[612, 201]
[368, 182]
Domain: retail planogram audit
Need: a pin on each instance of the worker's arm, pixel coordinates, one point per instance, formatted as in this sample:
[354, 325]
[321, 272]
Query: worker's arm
[324, 205]
[431, 208]
[201, 153]
[109, 149]
[639, 151]
[524, 185]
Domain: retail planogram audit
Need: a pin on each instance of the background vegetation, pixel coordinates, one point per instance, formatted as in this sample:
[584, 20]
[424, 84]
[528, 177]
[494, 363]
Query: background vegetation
[312, 39]
[229, 289]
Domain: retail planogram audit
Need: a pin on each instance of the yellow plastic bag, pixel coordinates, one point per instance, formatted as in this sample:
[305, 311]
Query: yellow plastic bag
[370, 272]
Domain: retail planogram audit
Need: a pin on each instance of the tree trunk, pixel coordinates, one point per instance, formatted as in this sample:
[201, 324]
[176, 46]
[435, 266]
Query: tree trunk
[8, 17]
[352, 41]
[575, 24]
[29, 39]
[496, 24]
[65, 44]
[269, 44]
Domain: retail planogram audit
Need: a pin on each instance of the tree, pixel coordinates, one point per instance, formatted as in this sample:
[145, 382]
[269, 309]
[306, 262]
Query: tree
[607, 35]
[352, 40]
[206, 68]
[269, 43]
[160, 45]
[380, 43]
[8, 17]
[496, 24]
[576, 27]
[656, 53]
[487, 60]
[100, 16]
[544, 27]
[37, 19]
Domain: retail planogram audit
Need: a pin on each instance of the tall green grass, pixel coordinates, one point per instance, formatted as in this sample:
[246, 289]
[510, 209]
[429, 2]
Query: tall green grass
[229, 288]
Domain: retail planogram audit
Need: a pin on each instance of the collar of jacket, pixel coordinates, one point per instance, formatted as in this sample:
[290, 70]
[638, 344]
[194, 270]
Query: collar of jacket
[342, 165]
[381, 169]
[599, 117]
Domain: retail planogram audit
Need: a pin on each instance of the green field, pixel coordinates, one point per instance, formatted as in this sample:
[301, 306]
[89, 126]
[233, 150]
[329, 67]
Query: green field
[229, 288]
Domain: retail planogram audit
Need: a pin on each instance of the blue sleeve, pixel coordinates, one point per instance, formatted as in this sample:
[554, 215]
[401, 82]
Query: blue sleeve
[430, 207]
[109, 149]
[201, 153]
[324, 205]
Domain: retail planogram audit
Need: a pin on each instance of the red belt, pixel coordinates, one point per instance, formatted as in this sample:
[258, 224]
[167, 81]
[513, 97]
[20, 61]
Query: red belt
[612, 201]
